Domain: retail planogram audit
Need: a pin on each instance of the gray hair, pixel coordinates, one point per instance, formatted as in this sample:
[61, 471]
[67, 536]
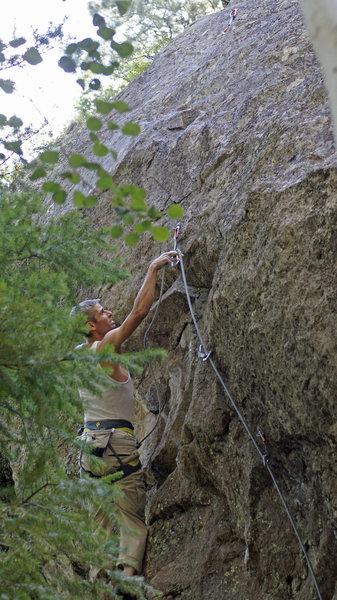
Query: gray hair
[85, 307]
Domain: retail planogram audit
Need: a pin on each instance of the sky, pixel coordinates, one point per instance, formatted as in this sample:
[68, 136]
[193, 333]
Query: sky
[43, 90]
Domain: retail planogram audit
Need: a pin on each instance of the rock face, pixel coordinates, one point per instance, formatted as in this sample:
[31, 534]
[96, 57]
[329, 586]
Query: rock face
[236, 129]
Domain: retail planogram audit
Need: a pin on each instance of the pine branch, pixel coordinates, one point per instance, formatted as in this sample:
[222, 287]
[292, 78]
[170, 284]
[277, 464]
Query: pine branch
[48, 484]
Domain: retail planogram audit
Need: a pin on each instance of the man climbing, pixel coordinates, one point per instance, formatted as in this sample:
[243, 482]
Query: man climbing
[108, 420]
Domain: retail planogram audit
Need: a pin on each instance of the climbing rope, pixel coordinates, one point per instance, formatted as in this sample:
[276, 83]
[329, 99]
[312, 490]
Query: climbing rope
[232, 16]
[205, 355]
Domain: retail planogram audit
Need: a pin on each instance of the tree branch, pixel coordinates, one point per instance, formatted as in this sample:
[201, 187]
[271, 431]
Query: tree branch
[48, 484]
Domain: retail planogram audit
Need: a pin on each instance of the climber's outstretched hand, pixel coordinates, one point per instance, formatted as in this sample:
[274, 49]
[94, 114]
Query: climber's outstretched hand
[167, 258]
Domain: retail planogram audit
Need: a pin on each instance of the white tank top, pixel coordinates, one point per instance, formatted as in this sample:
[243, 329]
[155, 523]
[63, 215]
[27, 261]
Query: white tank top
[116, 402]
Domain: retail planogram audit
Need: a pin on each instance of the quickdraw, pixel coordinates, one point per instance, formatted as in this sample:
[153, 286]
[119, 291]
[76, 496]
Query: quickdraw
[232, 16]
[204, 354]
[265, 453]
[176, 235]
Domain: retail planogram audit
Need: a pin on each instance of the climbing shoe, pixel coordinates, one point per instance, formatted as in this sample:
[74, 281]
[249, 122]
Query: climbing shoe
[120, 595]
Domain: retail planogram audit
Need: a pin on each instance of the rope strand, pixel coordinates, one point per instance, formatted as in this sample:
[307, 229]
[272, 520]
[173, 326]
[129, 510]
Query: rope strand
[243, 421]
[205, 354]
[160, 405]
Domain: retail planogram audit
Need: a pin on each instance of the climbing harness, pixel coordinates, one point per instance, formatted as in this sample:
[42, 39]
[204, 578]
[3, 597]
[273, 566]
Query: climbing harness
[127, 465]
[232, 16]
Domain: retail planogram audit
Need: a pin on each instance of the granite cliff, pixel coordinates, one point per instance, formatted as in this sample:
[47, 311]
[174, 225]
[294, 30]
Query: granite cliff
[236, 128]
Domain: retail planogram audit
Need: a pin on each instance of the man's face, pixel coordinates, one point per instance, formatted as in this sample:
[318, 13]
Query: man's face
[101, 321]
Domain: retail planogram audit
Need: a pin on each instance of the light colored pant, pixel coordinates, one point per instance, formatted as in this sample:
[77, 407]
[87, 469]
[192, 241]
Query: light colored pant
[131, 504]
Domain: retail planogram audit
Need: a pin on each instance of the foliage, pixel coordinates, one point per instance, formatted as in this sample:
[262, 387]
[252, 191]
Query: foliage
[134, 65]
[20, 53]
[49, 535]
[89, 56]
[150, 26]
[151, 21]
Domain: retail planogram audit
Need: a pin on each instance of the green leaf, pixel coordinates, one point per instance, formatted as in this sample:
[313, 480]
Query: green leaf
[88, 45]
[124, 49]
[3, 120]
[104, 107]
[153, 213]
[90, 201]
[77, 160]
[143, 226]
[2, 156]
[92, 166]
[32, 56]
[78, 199]
[138, 205]
[7, 86]
[2, 57]
[71, 48]
[112, 125]
[105, 32]
[94, 137]
[95, 55]
[15, 122]
[67, 64]
[94, 124]
[116, 231]
[17, 42]
[49, 156]
[37, 174]
[14, 147]
[51, 186]
[114, 154]
[82, 201]
[60, 197]
[160, 234]
[105, 182]
[175, 211]
[111, 68]
[122, 6]
[121, 106]
[81, 83]
[98, 20]
[100, 150]
[131, 239]
[131, 128]
[137, 193]
[128, 219]
[72, 177]
[95, 84]
[96, 67]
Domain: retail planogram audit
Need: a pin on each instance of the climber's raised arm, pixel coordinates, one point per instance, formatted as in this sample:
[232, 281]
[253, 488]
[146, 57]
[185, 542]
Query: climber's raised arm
[102, 327]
